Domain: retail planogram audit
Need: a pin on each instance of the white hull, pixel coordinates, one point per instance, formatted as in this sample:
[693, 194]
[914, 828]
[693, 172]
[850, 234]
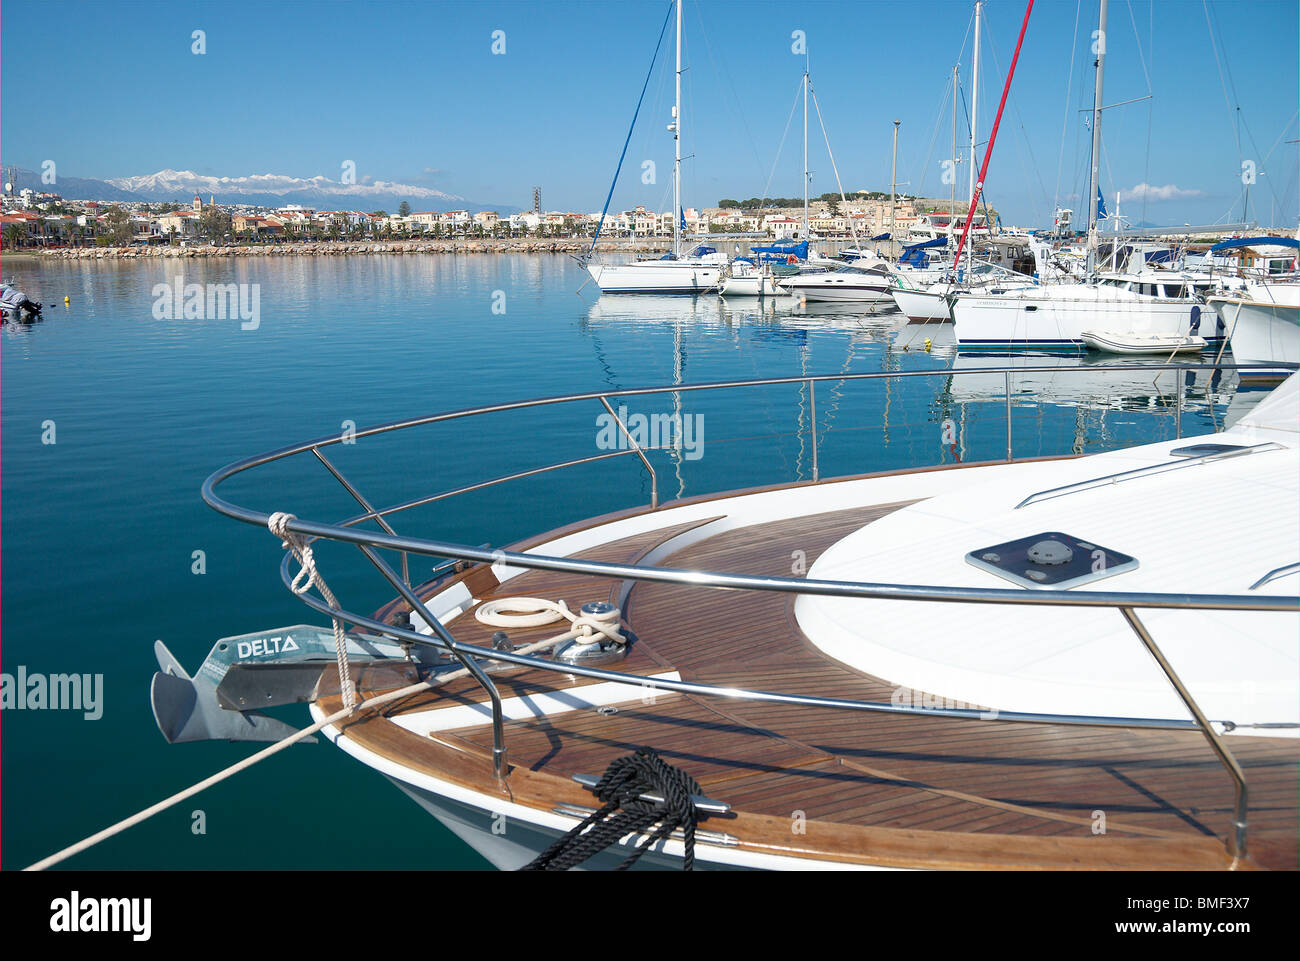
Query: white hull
[922, 306]
[1261, 333]
[827, 288]
[510, 835]
[656, 277]
[751, 287]
[933, 304]
[1058, 316]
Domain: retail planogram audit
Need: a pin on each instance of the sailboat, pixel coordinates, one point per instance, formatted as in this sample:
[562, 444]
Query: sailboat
[924, 296]
[1058, 316]
[757, 278]
[1263, 323]
[698, 271]
[866, 278]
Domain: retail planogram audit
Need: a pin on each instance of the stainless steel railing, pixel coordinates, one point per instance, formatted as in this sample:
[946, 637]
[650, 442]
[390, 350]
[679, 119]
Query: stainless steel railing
[370, 542]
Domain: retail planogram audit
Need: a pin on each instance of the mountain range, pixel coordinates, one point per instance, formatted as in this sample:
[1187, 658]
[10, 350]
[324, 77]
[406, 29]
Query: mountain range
[267, 190]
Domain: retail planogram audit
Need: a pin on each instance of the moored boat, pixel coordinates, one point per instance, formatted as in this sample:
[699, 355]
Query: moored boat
[800, 695]
[699, 271]
[1263, 324]
[1055, 317]
[747, 279]
[1125, 342]
[858, 281]
[16, 305]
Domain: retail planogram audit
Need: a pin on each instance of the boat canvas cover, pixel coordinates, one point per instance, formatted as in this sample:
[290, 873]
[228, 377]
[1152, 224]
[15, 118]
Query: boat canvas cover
[1236, 242]
[913, 253]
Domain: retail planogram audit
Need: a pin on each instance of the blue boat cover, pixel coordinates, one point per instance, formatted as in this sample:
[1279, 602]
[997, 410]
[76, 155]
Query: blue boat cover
[799, 249]
[1254, 242]
[912, 253]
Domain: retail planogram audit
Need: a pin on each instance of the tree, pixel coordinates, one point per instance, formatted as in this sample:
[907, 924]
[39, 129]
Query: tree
[117, 226]
[214, 223]
[404, 209]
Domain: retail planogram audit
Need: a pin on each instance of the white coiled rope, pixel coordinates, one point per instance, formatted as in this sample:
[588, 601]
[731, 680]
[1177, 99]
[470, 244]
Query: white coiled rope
[279, 526]
[537, 611]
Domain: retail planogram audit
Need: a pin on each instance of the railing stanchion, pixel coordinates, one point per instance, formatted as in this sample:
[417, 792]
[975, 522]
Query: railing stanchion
[356, 494]
[1007, 378]
[654, 478]
[499, 763]
[812, 407]
[1237, 836]
[1178, 408]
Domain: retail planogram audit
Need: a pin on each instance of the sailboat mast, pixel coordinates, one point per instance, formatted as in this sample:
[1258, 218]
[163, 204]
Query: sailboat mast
[805, 151]
[677, 144]
[974, 119]
[1094, 182]
[952, 186]
[893, 181]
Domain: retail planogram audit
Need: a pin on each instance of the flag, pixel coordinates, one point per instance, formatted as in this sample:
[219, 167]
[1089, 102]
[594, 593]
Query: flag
[1101, 205]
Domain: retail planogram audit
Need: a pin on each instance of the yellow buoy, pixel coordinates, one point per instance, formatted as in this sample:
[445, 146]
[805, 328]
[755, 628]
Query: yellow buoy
[66, 301]
[927, 345]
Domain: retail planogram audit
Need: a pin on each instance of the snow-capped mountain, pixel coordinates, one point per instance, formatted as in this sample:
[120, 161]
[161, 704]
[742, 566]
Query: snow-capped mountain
[169, 183]
[268, 190]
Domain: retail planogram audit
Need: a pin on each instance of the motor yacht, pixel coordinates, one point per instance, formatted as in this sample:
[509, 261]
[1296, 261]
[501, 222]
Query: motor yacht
[1026, 664]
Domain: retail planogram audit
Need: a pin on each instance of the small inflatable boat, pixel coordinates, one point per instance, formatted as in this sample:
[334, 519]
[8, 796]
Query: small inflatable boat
[1128, 343]
[15, 305]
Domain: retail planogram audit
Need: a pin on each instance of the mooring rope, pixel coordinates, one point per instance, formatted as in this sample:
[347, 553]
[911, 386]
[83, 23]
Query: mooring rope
[621, 787]
[279, 526]
[580, 627]
[222, 775]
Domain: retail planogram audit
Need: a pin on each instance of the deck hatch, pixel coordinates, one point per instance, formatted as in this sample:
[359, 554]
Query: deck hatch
[1205, 450]
[1051, 560]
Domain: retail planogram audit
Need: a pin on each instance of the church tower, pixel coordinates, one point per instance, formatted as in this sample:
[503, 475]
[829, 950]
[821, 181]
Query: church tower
[198, 204]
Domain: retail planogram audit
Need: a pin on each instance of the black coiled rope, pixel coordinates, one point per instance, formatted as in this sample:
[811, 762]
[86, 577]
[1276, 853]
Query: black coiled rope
[623, 813]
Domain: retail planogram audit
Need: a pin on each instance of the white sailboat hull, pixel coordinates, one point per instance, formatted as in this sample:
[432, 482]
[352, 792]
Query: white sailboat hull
[763, 286]
[1261, 333]
[922, 306]
[1056, 317]
[656, 277]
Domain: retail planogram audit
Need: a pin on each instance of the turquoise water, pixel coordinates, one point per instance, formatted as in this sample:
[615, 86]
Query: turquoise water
[100, 527]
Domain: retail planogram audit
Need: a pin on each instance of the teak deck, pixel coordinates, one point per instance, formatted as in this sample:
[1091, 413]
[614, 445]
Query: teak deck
[871, 788]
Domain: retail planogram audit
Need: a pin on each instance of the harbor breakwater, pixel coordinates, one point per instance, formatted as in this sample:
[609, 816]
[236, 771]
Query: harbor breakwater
[343, 247]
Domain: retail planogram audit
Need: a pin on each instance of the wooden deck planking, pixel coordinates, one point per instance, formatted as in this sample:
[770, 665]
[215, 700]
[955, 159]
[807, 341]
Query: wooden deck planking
[771, 759]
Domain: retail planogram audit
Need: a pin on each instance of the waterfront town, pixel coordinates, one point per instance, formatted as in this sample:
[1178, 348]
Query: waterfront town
[34, 219]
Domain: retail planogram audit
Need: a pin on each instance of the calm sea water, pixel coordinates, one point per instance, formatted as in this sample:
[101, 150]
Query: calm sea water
[100, 528]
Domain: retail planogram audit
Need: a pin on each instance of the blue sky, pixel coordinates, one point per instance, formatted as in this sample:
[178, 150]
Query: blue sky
[413, 93]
